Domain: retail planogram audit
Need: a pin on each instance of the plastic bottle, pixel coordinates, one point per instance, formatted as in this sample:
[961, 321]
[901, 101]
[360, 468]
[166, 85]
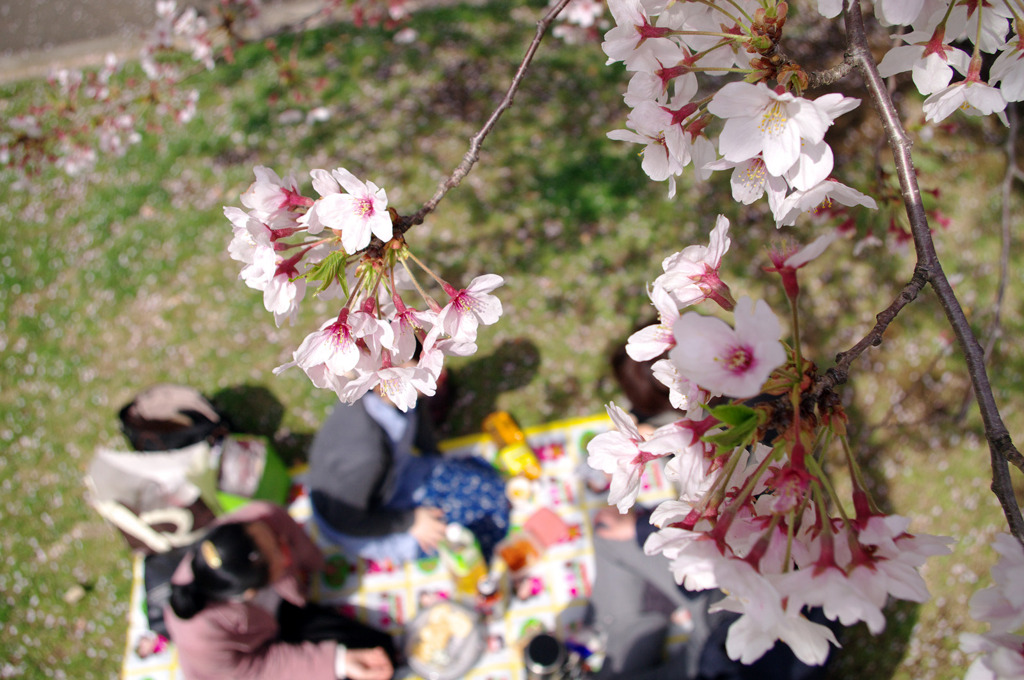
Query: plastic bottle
[492, 591]
[461, 554]
[515, 457]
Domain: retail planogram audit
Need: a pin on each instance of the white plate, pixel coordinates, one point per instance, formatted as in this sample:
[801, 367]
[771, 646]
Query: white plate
[444, 641]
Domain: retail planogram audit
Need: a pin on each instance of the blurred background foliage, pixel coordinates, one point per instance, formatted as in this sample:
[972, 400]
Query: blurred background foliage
[120, 278]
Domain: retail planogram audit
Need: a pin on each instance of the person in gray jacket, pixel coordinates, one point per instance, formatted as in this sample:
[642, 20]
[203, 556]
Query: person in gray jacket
[380, 489]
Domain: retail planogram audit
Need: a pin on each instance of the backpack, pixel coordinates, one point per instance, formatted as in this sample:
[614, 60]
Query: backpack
[167, 417]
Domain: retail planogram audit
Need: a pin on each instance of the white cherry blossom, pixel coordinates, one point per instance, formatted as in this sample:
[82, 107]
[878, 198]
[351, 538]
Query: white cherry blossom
[1008, 70]
[759, 120]
[928, 58]
[655, 340]
[750, 180]
[973, 97]
[726, 360]
[817, 198]
[359, 213]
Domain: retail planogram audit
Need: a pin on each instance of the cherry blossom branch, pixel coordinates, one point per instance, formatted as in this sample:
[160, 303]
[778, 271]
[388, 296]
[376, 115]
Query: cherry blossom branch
[476, 142]
[1001, 446]
[838, 374]
[830, 75]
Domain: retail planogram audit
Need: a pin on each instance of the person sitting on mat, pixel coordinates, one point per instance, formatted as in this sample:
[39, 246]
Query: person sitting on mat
[238, 608]
[380, 490]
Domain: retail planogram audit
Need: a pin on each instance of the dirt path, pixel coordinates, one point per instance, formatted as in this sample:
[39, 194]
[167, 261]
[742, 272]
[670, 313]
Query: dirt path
[39, 35]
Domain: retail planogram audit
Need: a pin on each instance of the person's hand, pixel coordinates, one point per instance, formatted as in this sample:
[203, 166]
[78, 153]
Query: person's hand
[367, 664]
[428, 527]
[646, 430]
[610, 524]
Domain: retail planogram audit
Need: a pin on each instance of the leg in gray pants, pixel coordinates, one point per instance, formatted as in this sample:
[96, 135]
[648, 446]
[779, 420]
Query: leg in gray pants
[636, 638]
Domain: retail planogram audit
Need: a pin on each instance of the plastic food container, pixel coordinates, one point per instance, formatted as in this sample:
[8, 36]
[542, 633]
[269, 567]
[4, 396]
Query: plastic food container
[519, 551]
[444, 641]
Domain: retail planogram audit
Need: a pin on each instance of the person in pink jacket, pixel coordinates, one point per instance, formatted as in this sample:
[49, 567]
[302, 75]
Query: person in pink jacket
[238, 608]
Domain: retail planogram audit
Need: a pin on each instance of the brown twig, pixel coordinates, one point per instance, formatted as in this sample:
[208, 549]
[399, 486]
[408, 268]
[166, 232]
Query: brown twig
[838, 374]
[476, 142]
[1001, 446]
[829, 76]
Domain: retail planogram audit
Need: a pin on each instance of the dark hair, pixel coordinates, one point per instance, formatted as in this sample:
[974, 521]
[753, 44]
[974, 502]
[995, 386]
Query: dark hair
[225, 564]
[646, 395]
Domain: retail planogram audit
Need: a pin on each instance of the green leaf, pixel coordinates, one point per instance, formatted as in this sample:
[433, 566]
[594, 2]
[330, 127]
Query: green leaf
[742, 421]
[328, 270]
[733, 414]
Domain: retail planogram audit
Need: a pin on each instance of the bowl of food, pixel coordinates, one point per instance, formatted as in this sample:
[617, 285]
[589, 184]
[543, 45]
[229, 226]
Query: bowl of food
[444, 641]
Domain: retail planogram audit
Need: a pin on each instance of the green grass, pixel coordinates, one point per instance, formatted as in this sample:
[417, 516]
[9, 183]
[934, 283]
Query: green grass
[117, 280]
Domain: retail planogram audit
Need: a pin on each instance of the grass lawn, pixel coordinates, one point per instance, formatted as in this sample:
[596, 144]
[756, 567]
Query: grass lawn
[116, 280]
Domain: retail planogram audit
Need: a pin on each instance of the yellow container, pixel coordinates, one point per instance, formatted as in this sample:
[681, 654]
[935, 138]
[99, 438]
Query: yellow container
[515, 457]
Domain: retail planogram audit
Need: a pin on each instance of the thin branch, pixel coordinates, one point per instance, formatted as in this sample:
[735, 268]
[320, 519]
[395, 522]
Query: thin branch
[830, 75]
[1012, 172]
[476, 142]
[1001, 446]
[838, 374]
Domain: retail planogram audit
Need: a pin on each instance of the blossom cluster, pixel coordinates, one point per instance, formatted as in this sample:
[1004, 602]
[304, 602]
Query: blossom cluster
[580, 21]
[772, 139]
[928, 52]
[345, 239]
[757, 514]
[1002, 607]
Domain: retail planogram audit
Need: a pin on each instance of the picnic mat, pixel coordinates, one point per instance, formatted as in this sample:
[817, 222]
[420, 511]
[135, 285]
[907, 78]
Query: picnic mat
[389, 596]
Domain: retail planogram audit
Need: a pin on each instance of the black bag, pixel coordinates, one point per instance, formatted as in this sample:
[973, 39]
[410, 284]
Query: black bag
[156, 575]
[168, 417]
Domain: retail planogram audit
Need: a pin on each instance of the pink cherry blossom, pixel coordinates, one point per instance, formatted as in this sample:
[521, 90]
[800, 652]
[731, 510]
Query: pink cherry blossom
[269, 197]
[726, 360]
[1002, 604]
[284, 293]
[405, 322]
[402, 384]
[360, 213]
[634, 39]
[624, 453]
[334, 346]
[691, 275]
[786, 261]
[693, 556]
[1002, 607]
[247, 234]
[683, 394]
[1002, 656]
[839, 595]
[470, 307]
[655, 340]
[766, 618]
